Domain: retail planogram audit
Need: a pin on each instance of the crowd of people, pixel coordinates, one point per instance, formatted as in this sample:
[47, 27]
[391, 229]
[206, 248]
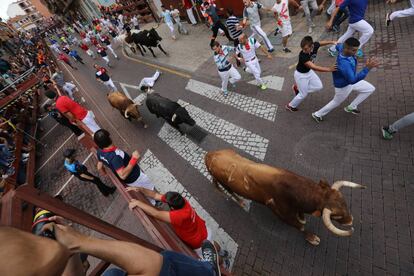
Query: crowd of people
[98, 39]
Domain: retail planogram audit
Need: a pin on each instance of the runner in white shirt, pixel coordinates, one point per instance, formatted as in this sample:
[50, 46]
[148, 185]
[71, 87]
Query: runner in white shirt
[247, 48]
[281, 12]
[147, 84]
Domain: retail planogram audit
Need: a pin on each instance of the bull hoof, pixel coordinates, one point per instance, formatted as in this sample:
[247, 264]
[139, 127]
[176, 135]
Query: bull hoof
[313, 239]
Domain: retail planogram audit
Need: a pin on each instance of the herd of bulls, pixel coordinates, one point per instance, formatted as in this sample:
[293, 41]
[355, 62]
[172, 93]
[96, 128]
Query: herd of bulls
[288, 195]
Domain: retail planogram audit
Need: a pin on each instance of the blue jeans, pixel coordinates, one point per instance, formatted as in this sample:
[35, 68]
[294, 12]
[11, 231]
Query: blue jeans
[176, 264]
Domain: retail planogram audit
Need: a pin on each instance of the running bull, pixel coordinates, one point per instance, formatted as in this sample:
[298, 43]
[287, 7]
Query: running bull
[145, 38]
[172, 112]
[288, 195]
[126, 106]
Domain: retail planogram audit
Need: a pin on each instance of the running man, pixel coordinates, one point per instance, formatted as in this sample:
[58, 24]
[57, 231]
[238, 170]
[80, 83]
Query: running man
[388, 131]
[251, 14]
[107, 41]
[247, 48]
[281, 12]
[211, 11]
[147, 84]
[399, 14]
[346, 79]
[101, 75]
[226, 70]
[167, 18]
[357, 9]
[307, 81]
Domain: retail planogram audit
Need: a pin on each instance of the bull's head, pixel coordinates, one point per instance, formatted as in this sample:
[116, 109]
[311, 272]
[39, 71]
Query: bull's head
[336, 209]
[181, 116]
[132, 111]
[154, 34]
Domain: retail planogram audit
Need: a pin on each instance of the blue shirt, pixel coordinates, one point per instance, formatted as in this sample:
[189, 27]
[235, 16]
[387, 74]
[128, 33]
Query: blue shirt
[346, 73]
[221, 59]
[71, 167]
[167, 16]
[117, 159]
[356, 8]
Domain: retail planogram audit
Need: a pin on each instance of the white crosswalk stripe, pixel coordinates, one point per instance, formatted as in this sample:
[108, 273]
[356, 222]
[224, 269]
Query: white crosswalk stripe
[244, 103]
[125, 87]
[272, 82]
[243, 139]
[165, 181]
[189, 151]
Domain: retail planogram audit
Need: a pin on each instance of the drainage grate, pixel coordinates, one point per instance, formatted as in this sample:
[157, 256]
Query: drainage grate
[197, 133]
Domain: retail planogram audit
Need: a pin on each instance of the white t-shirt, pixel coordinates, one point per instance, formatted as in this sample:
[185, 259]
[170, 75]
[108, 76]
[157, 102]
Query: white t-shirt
[282, 10]
[248, 52]
[134, 20]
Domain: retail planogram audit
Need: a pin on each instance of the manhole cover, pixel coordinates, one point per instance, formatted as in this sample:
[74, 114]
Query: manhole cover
[319, 151]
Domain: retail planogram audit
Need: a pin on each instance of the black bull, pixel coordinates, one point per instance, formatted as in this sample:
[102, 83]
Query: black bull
[145, 38]
[171, 111]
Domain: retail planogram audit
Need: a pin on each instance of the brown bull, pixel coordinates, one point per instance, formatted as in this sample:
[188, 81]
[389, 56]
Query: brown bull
[126, 106]
[290, 196]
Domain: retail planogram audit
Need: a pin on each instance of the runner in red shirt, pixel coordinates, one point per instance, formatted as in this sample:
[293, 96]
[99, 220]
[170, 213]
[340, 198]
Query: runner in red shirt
[66, 60]
[73, 111]
[188, 226]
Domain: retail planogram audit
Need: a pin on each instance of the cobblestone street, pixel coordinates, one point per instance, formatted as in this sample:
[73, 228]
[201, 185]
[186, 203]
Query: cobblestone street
[255, 124]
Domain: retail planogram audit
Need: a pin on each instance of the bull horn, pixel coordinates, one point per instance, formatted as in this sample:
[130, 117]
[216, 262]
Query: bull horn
[326, 217]
[173, 117]
[126, 114]
[338, 185]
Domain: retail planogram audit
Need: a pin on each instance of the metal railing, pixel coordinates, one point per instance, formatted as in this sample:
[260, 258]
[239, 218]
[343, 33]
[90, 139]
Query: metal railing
[21, 77]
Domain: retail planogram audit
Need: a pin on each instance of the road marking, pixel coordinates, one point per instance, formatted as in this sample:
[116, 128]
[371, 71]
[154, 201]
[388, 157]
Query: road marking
[172, 71]
[244, 103]
[166, 182]
[50, 157]
[243, 139]
[125, 86]
[50, 130]
[140, 99]
[272, 82]
[72, 176]
[97, 106]
[190, 152]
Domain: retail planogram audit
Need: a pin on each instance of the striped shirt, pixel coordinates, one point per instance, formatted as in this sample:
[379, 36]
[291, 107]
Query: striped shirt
[232, 23]
[221, 59]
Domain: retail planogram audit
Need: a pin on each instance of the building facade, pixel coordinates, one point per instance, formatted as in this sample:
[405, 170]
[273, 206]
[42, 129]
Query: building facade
[23, 15]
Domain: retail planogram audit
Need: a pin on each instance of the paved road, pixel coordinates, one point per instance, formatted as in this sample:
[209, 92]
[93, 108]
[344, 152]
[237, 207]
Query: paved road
[255, 123]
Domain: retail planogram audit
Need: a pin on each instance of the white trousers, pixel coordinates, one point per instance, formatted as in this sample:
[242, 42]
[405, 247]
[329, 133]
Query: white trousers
[257, 30]
[231, 75]
[149, 82]
[306, 83]
[363, 88]
[110, 84]
[90, 53]
[403, 13]
[171, 26]
[106, 59]
[68, 87]
[89, 121]
[190, 15]
[144, 182]
[253, 67]
[112, 50]
[361, 26]
[403, 122]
